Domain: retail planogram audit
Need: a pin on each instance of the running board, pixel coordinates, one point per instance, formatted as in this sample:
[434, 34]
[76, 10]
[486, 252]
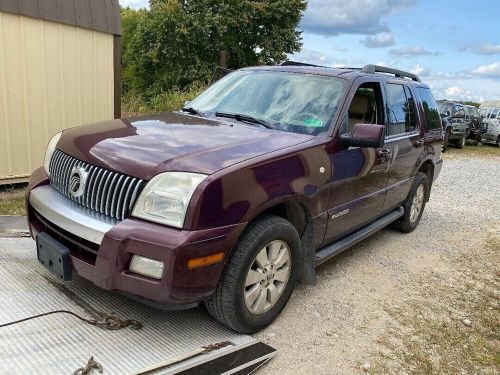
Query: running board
[337, 247]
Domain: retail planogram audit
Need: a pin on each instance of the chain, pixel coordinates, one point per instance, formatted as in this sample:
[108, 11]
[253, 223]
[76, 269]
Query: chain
[87, 370]
[217, 346]
[110, 322]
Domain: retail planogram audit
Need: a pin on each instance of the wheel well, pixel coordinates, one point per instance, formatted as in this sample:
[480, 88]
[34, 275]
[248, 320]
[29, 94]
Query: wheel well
[294, 212]
[301, 219]
[428, 169]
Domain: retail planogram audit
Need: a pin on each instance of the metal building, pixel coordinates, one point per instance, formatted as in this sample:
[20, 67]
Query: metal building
[59, 68]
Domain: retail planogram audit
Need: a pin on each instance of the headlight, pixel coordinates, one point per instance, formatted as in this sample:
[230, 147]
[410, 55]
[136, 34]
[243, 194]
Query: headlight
[166, 197]
[50, 150]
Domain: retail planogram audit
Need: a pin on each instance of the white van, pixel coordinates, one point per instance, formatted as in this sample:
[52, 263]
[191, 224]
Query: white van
[491, 127]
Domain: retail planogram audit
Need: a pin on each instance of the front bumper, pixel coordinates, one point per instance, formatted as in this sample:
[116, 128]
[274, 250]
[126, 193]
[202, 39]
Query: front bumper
[101, 249]
[489, 138]
[457, 133]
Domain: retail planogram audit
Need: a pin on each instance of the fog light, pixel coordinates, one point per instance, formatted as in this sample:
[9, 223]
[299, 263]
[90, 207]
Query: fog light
[146, 267]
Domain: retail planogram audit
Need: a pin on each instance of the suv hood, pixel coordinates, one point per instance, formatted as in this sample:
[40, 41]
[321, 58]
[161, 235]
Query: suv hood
[145, 146]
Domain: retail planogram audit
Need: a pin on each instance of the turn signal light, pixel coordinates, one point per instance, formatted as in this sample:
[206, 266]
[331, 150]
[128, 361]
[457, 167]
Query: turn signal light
[205, 261]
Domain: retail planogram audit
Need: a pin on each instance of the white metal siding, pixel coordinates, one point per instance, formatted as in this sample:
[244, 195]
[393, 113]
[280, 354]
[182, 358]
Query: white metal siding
[52, 77]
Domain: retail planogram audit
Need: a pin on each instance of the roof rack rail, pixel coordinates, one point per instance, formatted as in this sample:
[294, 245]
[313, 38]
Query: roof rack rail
[297, 63]
[382, 69]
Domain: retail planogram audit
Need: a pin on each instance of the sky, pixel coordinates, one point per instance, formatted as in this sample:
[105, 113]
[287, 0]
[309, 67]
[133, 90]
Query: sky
[454, 46]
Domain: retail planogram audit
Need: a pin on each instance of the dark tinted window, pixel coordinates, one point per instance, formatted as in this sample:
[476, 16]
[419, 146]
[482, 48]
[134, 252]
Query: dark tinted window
[430, 108]
[401, 108]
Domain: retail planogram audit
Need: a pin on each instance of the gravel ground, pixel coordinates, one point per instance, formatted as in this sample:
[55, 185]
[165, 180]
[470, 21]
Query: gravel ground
[336, 326]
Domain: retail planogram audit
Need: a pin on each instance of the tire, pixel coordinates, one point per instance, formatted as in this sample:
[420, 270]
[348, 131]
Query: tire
[460, 143]
[230, 303]
[407, 223]
[498, 141]
[446, 140]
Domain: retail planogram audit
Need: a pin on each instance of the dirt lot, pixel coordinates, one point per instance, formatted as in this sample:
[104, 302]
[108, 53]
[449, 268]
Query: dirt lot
[421, 303]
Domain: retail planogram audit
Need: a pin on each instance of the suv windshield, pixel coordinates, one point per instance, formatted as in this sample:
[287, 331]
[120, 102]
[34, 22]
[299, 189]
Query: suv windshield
[299, 103]
[445, 108]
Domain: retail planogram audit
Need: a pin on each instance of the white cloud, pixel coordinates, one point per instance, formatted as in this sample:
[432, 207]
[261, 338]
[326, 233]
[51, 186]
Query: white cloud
[384, 39]
[454, 91]
[310, 56]
[134, 3]
[484, 49]
[419, 70]
[490, 71]
[412, 51]
[335, 17]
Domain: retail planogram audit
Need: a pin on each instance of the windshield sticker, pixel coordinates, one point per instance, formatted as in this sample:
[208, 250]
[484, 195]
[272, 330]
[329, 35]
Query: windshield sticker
[312, 122]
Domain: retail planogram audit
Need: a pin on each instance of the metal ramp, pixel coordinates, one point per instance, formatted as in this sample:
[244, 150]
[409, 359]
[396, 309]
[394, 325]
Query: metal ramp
[60, 344]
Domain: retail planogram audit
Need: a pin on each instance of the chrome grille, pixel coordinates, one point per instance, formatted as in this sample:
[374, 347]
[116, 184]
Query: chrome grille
[110, 193]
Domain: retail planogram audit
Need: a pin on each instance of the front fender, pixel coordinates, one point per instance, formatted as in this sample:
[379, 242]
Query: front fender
[242, 194]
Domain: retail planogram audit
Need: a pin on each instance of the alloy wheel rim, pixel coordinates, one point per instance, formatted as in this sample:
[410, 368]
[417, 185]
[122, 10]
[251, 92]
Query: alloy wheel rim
[267, 277]
[417, 203]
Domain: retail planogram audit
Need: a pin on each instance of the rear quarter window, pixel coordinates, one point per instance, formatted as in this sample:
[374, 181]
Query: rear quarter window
[430, 106]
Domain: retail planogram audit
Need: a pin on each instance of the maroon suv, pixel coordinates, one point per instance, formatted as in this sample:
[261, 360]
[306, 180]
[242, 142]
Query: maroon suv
[267, 174]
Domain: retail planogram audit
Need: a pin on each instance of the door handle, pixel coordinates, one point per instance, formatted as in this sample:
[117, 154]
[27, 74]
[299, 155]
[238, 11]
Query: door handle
[419, 143]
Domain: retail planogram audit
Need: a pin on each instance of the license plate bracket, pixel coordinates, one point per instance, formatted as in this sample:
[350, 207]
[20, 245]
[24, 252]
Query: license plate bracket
[54, 256]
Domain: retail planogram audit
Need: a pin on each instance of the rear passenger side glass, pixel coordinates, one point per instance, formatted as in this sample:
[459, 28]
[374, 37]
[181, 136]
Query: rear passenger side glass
[430, 108]
[401, 107]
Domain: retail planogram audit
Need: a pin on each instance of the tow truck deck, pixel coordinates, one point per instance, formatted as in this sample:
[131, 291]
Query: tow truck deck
[61, 343]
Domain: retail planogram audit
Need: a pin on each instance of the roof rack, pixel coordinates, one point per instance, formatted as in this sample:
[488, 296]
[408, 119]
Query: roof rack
[297, 63]
[382, 69]
[370, 68]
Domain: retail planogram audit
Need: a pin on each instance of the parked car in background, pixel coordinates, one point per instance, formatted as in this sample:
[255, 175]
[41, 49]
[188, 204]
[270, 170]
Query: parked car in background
[475, 124]
[267, 174]
[459, 122]
[445, 123]
[490, 128]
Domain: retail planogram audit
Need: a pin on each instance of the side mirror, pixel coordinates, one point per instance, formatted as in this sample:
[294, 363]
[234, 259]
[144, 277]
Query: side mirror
[364, 135]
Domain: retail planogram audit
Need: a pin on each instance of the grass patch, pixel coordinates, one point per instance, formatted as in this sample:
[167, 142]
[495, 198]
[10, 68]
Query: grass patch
[428, 334]
[470, 150]
[135, 105]
[12, 200]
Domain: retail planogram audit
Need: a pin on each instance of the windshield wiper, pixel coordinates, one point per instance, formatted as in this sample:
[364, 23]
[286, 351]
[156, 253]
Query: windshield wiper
[193, 111]
[246, 118]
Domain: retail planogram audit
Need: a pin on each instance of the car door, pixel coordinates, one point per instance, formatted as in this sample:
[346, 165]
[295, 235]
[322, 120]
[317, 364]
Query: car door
[358, 173]
[403, 138]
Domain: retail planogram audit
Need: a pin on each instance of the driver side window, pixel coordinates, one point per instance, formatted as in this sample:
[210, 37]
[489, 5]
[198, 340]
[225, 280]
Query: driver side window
[365, 108]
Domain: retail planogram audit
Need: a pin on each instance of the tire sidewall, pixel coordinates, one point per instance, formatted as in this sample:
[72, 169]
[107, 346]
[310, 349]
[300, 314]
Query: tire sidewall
[283, 232]
[420, 178]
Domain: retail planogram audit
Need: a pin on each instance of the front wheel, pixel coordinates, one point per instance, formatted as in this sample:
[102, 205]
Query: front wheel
[446, 139]
[414, 204]
[461, 142]
[260, 276]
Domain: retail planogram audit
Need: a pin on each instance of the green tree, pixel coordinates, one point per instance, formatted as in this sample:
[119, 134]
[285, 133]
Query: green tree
[130, 19]
[177, 42]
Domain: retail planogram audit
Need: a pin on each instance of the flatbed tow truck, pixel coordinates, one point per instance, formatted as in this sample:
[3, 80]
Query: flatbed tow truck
[84, 330]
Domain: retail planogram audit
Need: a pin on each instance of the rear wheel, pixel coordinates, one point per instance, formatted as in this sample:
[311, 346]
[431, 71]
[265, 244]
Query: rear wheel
[260, 276]
[414, 204]
[498, 141]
